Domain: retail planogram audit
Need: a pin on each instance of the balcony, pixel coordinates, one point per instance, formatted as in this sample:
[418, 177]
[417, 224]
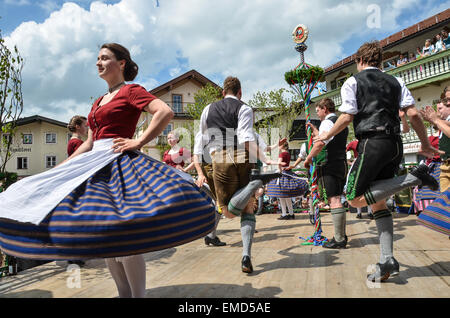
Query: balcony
[427, 70]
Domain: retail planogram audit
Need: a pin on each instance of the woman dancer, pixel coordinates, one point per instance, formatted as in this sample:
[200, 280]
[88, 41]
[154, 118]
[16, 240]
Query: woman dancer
[287, 186]
[79, 129]
[107, 199]
[176, 156]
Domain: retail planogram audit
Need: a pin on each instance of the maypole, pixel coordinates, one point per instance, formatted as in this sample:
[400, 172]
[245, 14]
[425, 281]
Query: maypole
[303, 79]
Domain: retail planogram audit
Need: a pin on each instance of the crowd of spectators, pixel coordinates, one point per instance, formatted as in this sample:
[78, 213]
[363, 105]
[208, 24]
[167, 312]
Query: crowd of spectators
[440, 42]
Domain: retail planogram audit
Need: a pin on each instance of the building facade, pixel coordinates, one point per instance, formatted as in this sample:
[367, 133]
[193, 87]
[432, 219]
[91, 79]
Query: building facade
[177, 93]
[39, 144]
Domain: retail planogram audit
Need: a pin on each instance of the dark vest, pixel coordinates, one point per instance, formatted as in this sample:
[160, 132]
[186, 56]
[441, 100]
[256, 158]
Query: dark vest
[378, 97]
[336, 148]
[224, 114]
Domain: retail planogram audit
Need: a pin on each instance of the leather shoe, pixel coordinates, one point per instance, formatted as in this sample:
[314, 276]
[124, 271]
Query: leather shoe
[422, 172]
[215, 241]
[247, 265]
[284, 217]
[384, 271]
[265, 177]
[291, 216]
[371, 216]
[358, 216]
[334, 244]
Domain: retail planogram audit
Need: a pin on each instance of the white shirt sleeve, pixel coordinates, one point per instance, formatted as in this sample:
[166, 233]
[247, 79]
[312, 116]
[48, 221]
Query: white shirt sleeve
[244, 130]
[303, 153]
[326, 126]
[201, 136]
[407, 98]
[348, 96]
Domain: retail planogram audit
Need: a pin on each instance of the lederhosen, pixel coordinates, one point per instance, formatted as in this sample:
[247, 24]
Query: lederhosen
[230, 165]
[377, 127]
[332, 170]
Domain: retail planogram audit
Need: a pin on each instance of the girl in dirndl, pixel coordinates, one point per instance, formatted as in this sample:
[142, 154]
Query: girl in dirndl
[288, 186]
[108, 200]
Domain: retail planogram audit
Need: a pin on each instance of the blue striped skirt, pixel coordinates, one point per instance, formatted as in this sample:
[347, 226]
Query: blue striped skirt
[289, 185]
[425, 193]
[437, 215]
[133, 205]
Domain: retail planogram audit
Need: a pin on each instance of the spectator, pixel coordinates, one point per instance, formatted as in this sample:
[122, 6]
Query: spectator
[445, 38]
[412, 57]
[418, 53]
[439, 44]
[402, 60]
[428, 48]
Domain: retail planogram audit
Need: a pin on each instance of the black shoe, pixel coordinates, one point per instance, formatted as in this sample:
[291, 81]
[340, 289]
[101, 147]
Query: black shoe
[215, 241]
[79, 263]
[334, 244]
[265, 177]
[358, 216]
[384, 271]
[371, 216]
[291, 216]
[247, 265]
[286, 217]
[422, 172]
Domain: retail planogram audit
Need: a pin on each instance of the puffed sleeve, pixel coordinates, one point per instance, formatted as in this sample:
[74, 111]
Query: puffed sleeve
[139, 97]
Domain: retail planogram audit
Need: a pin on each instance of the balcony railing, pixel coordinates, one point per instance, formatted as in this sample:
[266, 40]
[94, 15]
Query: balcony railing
[423, 71]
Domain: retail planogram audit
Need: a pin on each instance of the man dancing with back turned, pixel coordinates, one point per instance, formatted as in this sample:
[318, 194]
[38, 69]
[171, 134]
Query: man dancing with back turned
[372, 99]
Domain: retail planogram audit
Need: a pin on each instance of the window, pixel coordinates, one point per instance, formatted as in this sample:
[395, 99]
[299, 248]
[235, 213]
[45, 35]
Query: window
[177, 103]
[27, 139]
[333, 85]
[50, 161]
[167, 130]
[22, 163]
[50, 138]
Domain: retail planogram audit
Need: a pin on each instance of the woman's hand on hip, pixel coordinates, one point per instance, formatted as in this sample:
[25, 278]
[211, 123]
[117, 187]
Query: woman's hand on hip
[125, 144]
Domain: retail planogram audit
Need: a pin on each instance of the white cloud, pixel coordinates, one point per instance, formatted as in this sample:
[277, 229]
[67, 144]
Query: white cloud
[248, 39]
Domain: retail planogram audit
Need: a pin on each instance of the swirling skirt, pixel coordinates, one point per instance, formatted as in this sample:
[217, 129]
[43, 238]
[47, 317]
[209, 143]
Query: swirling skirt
[133, 205]
[437, 215]
[289, 185]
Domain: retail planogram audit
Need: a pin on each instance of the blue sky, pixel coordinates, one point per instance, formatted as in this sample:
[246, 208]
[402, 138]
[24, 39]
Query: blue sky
[249, 39]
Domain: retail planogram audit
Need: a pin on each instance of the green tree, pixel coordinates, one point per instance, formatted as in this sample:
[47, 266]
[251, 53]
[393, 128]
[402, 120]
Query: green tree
[11, 101]
[277, 109]
[203, 97]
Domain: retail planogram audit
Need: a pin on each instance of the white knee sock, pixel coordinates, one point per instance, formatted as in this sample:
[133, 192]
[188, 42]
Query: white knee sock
[283, 206]
[134, 267]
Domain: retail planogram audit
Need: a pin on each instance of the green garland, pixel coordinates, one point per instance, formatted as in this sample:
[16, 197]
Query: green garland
[301, 75]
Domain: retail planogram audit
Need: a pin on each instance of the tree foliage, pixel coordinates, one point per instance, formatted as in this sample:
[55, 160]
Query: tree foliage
[11, 101]
[276, 109]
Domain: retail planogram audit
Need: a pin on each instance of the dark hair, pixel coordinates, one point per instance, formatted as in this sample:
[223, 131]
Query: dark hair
[328, 104]
[231, 85]
[370, 53]
[76, 120]
[122, 53]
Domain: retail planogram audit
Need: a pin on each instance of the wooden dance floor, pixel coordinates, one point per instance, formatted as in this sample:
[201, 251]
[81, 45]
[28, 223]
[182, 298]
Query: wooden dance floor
[283, 268]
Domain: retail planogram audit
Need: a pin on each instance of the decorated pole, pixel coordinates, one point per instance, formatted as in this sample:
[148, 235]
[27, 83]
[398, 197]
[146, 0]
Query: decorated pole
[304, 79]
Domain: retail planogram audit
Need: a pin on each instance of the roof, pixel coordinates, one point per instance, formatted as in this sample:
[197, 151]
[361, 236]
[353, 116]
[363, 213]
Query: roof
[37, 118]
[192, 74]
[401, 36]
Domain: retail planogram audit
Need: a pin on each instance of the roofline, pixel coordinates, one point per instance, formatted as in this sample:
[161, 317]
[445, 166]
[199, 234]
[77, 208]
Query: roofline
[398, 38]
[37, 118]
[192, 74]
